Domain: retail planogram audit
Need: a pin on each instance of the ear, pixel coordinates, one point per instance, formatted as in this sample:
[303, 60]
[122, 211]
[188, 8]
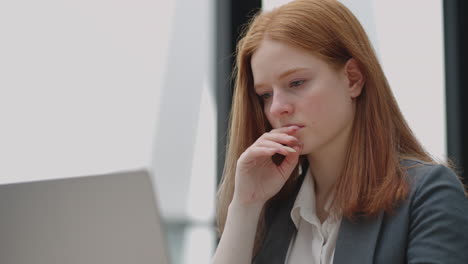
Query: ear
[355, 77]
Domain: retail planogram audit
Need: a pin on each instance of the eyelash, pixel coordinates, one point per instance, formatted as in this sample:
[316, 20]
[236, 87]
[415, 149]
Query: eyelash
[262, 96]
[293, 84]
[297, 81]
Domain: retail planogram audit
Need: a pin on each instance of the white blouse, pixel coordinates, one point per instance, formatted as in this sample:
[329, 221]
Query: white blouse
[314, 242]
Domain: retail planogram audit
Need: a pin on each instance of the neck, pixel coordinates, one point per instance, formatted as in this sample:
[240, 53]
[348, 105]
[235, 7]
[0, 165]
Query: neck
[325, 173]
[326, 164]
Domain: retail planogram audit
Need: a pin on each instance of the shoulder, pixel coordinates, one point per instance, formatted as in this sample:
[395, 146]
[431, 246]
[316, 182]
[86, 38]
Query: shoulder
[438, 218]
[424, 176]
[434, 186]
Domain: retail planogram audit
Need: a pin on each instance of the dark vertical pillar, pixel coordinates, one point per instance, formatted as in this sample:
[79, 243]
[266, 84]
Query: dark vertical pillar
[456, 73]
[231, 15]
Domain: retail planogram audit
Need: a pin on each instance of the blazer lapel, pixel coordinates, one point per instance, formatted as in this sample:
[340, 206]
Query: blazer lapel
[357, 240]
[281, 228]
[277, 240]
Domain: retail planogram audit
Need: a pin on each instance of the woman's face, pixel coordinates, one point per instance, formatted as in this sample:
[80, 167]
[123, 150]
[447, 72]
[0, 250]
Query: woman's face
[298, 88]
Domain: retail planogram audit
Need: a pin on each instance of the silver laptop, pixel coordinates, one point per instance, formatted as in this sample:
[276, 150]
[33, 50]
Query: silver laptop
[101, 219]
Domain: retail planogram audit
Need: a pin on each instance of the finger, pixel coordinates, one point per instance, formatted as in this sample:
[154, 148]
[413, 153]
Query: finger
[273, 144]
[253, 154]
[283, 150]
[282, 138]
[289, 149]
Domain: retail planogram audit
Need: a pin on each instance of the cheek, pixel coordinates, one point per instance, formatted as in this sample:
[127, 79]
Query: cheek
[318, 101]
[327, 108]
[315, 106]
[339, 111]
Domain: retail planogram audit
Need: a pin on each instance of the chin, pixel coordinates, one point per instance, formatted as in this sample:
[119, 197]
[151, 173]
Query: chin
[304, 151]
[308, 149]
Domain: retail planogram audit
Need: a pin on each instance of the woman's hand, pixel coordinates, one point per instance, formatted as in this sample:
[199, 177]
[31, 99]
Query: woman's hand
[258, 178]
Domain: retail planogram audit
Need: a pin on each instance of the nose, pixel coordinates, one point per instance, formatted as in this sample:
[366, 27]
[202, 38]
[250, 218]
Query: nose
[281, 105]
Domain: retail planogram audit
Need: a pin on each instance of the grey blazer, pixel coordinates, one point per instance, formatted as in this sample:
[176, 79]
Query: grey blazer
[431, 226]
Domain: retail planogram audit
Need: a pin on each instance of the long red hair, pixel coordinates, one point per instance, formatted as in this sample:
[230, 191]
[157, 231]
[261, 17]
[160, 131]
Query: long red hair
[372, 179]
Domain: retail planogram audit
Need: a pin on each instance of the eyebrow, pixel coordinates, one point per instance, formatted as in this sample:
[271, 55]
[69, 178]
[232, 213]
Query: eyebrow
[282, 76]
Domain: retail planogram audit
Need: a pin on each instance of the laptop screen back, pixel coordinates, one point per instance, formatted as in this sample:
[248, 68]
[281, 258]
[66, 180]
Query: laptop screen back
[101, 219]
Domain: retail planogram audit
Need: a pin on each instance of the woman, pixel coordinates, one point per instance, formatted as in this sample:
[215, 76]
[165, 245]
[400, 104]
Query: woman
[321, 165]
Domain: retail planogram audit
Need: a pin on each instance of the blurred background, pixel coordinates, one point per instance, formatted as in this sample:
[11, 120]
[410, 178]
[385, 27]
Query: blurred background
[97, 86]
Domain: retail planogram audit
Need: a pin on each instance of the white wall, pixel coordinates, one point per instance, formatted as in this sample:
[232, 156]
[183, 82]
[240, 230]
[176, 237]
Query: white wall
[412, 53]
[408, 38]
[79, 85]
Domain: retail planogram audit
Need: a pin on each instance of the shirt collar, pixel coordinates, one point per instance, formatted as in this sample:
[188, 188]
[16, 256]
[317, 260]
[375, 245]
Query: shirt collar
[304, 205]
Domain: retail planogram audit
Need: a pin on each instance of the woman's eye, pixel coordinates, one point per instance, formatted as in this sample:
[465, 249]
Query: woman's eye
[265, 96]
[296, 83]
